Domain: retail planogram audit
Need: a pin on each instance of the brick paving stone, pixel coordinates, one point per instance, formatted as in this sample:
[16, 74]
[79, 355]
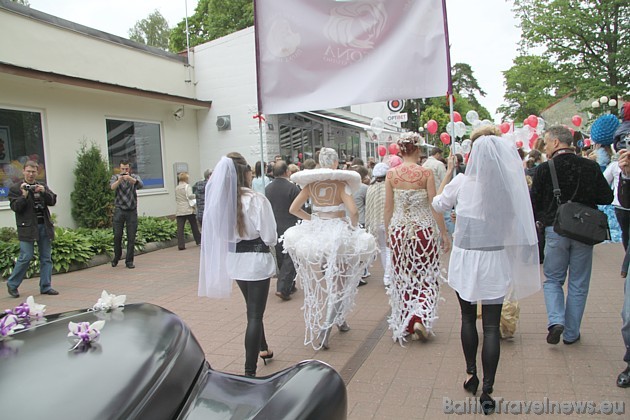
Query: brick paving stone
[391, 382]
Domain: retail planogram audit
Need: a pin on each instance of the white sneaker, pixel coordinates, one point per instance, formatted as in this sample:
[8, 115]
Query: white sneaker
[366, 274]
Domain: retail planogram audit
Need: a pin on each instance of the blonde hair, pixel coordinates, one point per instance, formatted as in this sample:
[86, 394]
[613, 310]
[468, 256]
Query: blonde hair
[182, 176]
[328, 157]
[485, 130]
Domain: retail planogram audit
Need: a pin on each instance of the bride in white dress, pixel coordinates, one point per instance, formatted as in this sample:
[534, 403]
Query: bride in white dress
[329, 251]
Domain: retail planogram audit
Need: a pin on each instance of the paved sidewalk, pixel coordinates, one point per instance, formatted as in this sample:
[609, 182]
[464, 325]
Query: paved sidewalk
[384, 380]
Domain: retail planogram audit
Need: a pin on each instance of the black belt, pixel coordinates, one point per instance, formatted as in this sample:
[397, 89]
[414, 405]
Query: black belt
[253, 245]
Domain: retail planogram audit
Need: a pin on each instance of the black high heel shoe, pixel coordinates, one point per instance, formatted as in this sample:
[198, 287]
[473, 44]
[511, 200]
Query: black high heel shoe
[488, 404]
[472, 384]
[267, 356]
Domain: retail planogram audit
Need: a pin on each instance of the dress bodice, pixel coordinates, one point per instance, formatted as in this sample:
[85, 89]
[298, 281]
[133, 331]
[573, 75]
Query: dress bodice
[412, 207]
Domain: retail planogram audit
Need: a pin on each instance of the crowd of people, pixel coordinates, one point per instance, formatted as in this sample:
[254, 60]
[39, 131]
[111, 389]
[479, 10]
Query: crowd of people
[320, 228]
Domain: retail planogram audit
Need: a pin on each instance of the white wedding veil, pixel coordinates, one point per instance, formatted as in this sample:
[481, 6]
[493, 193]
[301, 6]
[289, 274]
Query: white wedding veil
[496, 213]
[218, 231]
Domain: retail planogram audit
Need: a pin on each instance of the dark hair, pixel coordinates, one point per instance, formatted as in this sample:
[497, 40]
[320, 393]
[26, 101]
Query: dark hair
[31, 163]
[361, 170]
[310, 164]
[358, 161]
[258, 170]
[123, 162]
[280, 168]
[561, 133]
[242, 168]
[436, 151]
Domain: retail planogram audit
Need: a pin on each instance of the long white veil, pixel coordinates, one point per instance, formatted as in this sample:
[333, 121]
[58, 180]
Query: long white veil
[218, 231]
[498, 212]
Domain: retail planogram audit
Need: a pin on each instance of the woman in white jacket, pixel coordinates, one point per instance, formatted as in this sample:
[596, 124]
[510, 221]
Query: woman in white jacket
[185, 210]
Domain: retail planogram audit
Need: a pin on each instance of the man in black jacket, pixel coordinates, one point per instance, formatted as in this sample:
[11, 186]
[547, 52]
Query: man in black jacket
[30, 201]
[580, 180]
[281, 193]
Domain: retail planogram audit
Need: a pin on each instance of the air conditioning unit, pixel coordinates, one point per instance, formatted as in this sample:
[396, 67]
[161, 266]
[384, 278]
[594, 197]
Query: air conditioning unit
[224, 122]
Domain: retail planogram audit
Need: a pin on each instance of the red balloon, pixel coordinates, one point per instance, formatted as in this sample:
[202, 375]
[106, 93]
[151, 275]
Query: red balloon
[532, 140]
[519, 144]
[572, 131]
[525, 122]
[393, 149]
[533, 121]
[457, 117]
[299, 155]
[445, 138]
[505, 127]
[432, 126]
[382, 151]
[576, 120]
[587, 142]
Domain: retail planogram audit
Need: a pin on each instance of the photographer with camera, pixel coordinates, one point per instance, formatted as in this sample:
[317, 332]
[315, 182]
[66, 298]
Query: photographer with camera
[125, 185]
[30, 201]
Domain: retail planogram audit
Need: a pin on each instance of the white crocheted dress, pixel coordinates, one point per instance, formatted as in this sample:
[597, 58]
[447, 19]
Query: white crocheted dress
[415, 269]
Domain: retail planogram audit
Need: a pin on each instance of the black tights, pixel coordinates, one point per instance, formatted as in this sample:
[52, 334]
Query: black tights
[255, 294]
[491, 349]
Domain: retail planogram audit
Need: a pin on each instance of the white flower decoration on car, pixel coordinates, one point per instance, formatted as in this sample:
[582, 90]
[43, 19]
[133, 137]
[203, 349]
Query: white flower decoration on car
[84, 333]
[9, 324]
[107, 302]
[35, 310]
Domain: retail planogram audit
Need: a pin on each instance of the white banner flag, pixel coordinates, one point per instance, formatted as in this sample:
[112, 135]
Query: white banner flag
[319, 54]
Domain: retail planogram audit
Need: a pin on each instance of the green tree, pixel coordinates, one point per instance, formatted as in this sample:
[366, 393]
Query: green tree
[153, 31]
[22, 2]
[213, 19]
[92, 198]
[531, 85]
[586, 41]
[438, 114]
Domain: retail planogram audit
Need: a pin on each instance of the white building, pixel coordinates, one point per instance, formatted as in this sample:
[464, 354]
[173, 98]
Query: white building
[62, 84]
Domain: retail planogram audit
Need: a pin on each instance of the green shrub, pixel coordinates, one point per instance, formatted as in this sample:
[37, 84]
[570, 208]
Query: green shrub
[70, 247]
[92, 198]
[101, 240]
[156, 229]
[9, 251]
[8, 234]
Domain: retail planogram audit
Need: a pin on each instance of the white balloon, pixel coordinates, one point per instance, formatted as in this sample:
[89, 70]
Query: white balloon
[460, 129]
[450, 129]
[595, 104]
[476, 124]
[486, 122]
[457, 148]
[541, 124]
[421, 141]
[421, 129]
[376, 125]
[603, 99]
[466, 146]
[612, 102]
[472, 116]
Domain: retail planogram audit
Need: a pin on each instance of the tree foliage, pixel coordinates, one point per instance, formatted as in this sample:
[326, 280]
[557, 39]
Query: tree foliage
[213, 19]
[92, 198]
[22, 2]
[153, 31]
[586, 41]
[531, 85]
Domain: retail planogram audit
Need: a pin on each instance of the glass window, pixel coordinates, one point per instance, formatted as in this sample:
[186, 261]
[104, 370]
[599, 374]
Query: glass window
[141, 144]
[21, 139]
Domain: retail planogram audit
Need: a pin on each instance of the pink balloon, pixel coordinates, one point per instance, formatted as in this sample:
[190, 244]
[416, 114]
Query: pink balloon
[525, 122]
[519, 144]
[393, 149]
[432, 126]
[532, 140]
[394, 161]
[576, 120]
[382, 151]
[457, 117]
[587, 142]
[505, 127]
[533, 121]
[445, 138]
[572, 131]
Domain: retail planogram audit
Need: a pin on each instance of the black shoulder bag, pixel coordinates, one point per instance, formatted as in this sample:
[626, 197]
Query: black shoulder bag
[623, 192]
[578, 221]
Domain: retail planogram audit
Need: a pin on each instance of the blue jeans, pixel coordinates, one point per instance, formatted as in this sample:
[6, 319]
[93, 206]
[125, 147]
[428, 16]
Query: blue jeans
[625, 318]
[562, 255]
[27, 249]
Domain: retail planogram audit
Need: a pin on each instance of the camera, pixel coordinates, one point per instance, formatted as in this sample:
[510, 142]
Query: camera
[29, 187]
[124, 173]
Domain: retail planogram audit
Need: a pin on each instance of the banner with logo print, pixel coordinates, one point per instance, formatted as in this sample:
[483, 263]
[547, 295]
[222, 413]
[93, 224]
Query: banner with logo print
[319, 54]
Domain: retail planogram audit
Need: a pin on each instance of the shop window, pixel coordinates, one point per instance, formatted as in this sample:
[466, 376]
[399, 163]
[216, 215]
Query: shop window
[21, 139]
[140, 143]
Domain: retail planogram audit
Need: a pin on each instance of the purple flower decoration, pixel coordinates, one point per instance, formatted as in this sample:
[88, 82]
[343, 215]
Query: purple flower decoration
[9, 324]
[84, 333]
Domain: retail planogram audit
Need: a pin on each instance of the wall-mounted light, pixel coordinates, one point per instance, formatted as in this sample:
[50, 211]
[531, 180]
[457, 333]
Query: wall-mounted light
[270, 126]
[179, 113]
[224, 122]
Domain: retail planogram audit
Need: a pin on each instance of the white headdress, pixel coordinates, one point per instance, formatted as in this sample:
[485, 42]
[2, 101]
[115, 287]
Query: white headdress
[219, 231]
[497, 212]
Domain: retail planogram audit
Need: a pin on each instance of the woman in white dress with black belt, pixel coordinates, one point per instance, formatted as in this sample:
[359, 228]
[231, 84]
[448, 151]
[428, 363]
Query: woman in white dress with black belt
[494, 247]
[329, 251]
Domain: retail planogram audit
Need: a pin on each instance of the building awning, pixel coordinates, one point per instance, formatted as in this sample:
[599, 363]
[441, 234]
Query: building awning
[351, 119]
